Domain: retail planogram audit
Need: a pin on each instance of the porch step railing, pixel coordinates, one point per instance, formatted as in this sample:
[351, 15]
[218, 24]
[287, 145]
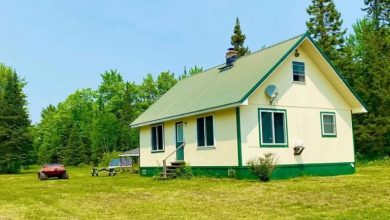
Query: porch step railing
[165, 160]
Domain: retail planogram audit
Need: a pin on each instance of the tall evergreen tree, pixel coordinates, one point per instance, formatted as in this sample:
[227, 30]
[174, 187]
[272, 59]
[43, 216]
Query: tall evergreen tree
[324, 25]
[378, 11]
[238, 39]
[15, 138]
[370, 44]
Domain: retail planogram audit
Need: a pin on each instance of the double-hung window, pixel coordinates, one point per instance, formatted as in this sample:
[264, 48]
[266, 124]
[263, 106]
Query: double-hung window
[205, 131]
[298, 71]
[158, 138]
[328, 124]
[273, 128]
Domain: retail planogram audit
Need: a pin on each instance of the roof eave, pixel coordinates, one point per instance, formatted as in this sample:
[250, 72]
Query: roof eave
[274, 67]
[184, 115]
[361, 109]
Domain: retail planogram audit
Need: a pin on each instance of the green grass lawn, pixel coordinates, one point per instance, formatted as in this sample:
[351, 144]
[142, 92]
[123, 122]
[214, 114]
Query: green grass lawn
[364, 195]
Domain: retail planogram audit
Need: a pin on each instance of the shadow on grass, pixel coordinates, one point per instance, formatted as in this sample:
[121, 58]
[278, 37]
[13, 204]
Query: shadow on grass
[53, 178]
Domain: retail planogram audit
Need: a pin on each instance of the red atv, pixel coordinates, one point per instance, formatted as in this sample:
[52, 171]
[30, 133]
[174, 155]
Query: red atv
[52, 170]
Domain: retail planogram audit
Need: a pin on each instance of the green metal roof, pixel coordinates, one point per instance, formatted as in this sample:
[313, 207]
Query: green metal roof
[214, 89]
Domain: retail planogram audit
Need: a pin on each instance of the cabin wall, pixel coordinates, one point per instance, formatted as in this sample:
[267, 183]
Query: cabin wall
[223, 153]
[303, 103]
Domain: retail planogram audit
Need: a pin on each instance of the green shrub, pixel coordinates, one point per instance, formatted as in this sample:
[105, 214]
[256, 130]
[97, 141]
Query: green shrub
[184, 171]
[262, 167]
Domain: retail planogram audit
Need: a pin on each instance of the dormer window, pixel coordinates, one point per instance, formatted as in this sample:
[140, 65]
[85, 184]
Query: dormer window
[298, 71]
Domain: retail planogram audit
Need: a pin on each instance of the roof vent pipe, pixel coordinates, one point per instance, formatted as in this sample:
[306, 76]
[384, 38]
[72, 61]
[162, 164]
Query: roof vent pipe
[231, 56]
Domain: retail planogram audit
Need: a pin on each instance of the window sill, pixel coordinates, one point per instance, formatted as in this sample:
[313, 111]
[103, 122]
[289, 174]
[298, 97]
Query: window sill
[274, 146]
[329, 135]
[157, 151]
[299, 83]
[206, 148]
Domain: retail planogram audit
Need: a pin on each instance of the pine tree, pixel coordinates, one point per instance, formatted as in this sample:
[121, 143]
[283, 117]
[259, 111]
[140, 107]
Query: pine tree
[370, 44]
[378, 11]
[238, 40]
[15, 138]
[324, 25]
[75, 150]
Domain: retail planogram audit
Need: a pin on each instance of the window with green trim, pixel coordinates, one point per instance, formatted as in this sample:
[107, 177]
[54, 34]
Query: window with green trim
[205, 131]
[298, 71]
[157, 137]
[273, 127]
[328, 124]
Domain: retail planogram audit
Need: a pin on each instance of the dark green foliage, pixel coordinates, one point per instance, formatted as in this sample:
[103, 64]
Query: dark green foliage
[15, 131]
[75, 151]
[148, 92]
[324, 25]
[107, 157]
[378, 11]
[193, 71]
[129, 137]
[184, 171]
[105, 134]
[111, 91]
[371, 79]
[164, 82]
[64, 130]
[263, 167]
[90, 124]
[238, 39]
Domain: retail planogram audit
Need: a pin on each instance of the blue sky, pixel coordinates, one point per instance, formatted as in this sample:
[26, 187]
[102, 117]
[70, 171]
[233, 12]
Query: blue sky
[61, 46]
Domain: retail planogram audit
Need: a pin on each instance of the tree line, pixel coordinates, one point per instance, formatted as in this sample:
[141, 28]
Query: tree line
[91, 122]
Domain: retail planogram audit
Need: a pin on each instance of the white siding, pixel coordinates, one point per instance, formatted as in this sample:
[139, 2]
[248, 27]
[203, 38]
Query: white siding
[303, 103]
[223, 153]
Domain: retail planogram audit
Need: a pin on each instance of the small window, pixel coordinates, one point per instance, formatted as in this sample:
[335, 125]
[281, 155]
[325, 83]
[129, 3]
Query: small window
[205, 131]
[298, 71]
[273, 128]
[328, 124]
[157, 138]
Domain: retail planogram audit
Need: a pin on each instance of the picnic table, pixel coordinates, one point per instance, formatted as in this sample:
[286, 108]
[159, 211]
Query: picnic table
[95, 171]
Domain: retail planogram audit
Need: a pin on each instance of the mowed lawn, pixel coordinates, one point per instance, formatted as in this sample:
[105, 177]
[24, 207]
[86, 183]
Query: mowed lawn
[365, 195]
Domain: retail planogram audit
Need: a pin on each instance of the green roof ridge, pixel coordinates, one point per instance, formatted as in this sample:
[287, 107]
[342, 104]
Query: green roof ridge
[203, 93]
[255, 52]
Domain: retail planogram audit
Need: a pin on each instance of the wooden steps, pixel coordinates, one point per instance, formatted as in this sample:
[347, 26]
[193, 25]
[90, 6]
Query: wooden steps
[172, 170]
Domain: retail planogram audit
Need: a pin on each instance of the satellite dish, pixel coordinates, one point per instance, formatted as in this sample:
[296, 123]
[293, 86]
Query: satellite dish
[271, 91]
